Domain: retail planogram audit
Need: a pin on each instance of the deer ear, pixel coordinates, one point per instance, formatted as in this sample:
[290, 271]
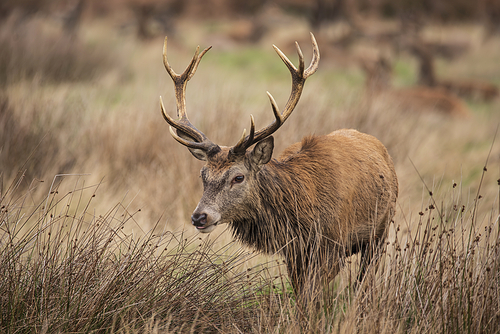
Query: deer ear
[198, 154]
[262, 151]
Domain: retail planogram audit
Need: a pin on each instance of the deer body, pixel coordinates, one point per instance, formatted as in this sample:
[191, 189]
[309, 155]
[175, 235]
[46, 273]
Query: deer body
[321, 200]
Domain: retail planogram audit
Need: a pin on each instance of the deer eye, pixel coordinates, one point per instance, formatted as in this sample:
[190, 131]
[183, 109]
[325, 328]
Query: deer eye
[238, 179]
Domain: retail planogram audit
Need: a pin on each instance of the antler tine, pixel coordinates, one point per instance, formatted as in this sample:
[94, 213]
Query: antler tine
[169, 69]
[299, 77]
[198, 59]
[186, 133]
[191, 68]
[241, 142]
[201, 140]
[315, 59]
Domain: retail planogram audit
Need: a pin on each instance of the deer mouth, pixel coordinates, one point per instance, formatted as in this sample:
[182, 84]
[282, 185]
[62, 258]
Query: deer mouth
[206, 228]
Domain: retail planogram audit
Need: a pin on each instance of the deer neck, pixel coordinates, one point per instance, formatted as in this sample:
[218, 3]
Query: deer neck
[278, 215]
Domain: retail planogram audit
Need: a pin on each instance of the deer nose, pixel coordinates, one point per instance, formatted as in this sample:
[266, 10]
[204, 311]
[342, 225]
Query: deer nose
[199, 219]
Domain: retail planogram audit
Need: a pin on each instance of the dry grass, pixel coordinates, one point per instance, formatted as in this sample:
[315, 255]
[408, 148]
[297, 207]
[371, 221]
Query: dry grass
[33, 49]
[74, 262]
[66, 269]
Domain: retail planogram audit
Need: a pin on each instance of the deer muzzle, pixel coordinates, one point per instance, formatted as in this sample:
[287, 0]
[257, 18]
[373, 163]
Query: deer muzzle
[204, 222]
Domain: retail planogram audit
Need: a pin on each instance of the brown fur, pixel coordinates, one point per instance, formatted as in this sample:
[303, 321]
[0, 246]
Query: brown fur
[322, 199]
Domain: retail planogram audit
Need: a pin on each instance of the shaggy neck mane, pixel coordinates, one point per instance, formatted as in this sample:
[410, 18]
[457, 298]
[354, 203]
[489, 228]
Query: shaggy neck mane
[282, 212]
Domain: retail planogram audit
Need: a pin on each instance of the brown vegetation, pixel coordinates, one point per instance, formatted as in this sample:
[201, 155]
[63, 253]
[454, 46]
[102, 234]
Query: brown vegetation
[412, 99]
[66, 269]
[32, 50]
[64, 272]
[465, 88]
[96, 125]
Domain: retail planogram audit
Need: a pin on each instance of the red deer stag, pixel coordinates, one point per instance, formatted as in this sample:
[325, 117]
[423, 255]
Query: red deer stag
[323, 199]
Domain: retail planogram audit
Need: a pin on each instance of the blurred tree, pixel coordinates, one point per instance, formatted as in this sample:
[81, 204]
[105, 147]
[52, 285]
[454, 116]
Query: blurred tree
[332, 10]
[72, 16]
[23, 8]
[246, 7]
[153, 13]
[490, 15]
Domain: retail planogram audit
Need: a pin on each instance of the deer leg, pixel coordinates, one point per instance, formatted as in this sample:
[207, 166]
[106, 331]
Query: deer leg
[296, 273]
[366, 256]
[370, 252]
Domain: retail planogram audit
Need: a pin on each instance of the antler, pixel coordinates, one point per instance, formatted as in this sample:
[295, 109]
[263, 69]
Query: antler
[299, 77]
[186, 133]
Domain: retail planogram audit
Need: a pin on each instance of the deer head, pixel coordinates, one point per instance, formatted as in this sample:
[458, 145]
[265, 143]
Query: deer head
[230, 173]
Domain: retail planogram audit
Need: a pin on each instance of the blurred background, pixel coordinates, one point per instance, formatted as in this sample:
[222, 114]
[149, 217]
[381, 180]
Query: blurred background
[80, 82]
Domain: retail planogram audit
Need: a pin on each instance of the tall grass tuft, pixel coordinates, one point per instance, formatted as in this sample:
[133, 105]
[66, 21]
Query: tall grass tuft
[70, 263]
[27, 145]
[67, 269]
[443, 276]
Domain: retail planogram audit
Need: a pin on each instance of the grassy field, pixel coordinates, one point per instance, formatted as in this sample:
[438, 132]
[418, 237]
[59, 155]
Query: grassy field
[96, 196]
